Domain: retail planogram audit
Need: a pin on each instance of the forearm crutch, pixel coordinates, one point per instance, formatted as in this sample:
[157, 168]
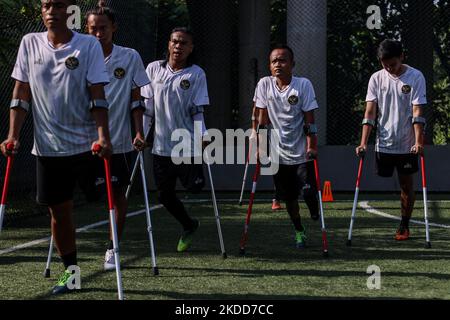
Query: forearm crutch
[425, 200]
[355, 200]
[216, 210]
[9, 147]
[133, 176]
[245, 171]
[244, 237]
[324, 230]
[135, 168]
[140, 159]
[112, 220]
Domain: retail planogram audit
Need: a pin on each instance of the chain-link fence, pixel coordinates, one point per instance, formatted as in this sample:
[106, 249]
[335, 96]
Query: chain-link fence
[137, 21]
[423, 27]
[232, 41]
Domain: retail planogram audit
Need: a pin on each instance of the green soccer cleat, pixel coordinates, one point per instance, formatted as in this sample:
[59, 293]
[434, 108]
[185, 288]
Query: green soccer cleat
[300, 239]
[61, 287]
[185, 241]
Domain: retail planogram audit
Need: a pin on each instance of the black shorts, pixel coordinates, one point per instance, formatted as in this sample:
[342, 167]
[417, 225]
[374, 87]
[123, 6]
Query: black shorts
[57, 177]
[290, 180]
[166, 174]
[406, 164]
[120, 166]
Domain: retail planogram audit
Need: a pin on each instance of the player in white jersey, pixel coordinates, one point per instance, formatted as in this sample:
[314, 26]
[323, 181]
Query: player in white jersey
[175, 98]
[289, 103]
[61, 74]
[395, 100]
[127, 75]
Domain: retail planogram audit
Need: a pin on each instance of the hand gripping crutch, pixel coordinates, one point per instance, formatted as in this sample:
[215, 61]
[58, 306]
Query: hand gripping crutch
[216, 211]
[425, 200]
[355, 200]
[246, 170]
[244, 237]
[135, 168]
[324, 231]
[112, 219]
[9, 147]
[140, 159]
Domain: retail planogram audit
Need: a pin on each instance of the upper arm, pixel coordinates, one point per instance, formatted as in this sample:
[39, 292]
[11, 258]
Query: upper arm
[309, 117]
[97, 92]
[417, 110]
[136, 94]
[22, 91]
[371, 110]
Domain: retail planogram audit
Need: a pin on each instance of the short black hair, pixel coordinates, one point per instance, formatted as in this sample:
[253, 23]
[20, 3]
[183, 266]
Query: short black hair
[184, 30]
[192, 59]
[389, 49]
[282, 46]
[102, 10]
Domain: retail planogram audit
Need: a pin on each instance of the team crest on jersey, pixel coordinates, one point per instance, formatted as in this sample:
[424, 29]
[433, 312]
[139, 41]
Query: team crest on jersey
[72, 63]
[406, 89]
[293, 100]
[119, 73]
[185, 84]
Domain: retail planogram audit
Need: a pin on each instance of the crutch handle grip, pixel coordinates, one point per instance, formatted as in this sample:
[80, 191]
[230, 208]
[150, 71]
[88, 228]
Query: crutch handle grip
[10, 146]
[97, 148]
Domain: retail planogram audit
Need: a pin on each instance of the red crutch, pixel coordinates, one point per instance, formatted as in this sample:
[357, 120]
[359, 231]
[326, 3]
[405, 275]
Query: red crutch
[9, 147]
[250, 207]
[112, 218]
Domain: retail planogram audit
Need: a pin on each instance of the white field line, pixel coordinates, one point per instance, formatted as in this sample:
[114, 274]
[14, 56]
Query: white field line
[82, 229]
[364, 205]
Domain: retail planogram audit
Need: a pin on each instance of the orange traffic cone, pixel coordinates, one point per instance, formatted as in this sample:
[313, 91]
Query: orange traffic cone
[327, 194]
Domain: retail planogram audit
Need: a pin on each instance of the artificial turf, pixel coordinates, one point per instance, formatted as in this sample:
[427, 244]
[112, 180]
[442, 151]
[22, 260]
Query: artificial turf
[271, 269]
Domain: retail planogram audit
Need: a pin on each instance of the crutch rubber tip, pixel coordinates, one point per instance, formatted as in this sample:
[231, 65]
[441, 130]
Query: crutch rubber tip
[242, 251]
[224, 255]
[326, 254]
[428, 245]
[349, 243]
[155, 271]
[47, 273]
[240, 203]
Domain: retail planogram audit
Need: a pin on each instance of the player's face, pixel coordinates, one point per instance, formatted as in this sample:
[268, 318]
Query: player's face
[180, 46]
[101, 27]
[54, 13]
[393, 65]
[281, 64]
